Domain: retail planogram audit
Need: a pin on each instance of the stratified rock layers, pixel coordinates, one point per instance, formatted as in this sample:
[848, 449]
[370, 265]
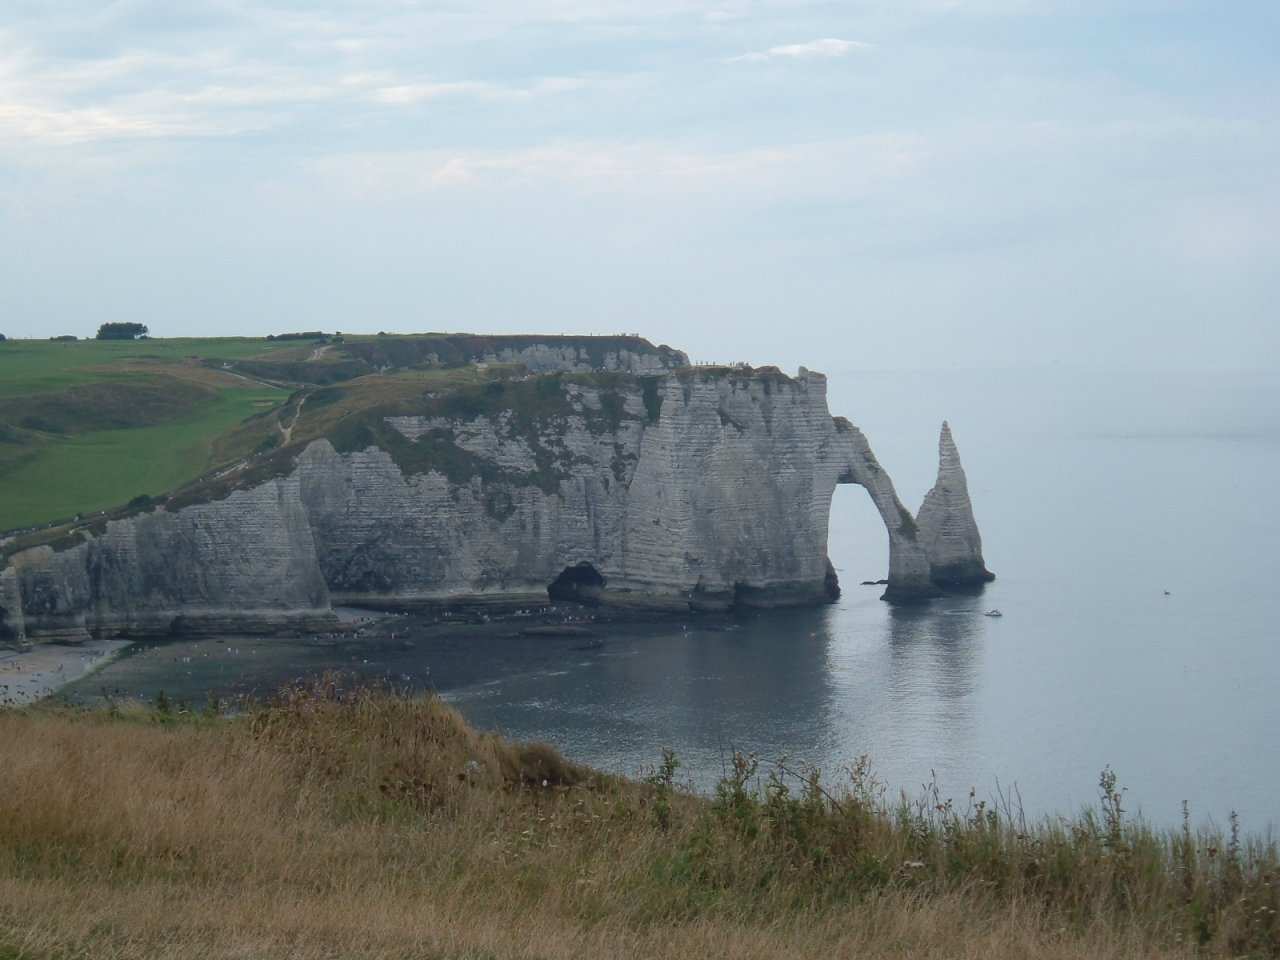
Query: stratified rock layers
[246, 563]
[702, 489]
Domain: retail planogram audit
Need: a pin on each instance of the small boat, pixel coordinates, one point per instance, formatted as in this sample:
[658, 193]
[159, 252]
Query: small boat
[993, 612]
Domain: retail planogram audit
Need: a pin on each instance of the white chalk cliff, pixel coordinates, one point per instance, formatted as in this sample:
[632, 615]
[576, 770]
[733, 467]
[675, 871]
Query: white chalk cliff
[703, 488]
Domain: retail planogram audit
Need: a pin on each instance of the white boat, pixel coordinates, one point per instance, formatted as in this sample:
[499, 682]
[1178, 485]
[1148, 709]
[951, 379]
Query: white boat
[993, 612]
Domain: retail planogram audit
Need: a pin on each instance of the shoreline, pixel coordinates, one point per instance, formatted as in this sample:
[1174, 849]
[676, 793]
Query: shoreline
[30, 675]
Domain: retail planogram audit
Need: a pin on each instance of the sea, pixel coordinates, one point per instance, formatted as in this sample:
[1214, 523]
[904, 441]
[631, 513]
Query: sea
[1133, 523]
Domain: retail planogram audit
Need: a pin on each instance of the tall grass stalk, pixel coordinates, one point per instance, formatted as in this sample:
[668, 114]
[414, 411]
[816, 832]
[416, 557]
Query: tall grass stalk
[346, 822]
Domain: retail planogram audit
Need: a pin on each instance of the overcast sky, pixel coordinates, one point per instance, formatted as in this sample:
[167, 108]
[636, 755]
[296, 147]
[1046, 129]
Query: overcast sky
[864, 183]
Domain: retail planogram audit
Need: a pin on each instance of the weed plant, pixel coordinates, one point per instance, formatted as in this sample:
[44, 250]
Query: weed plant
[340, 821]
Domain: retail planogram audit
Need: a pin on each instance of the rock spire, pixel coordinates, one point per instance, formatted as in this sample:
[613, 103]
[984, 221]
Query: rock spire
[947, 531]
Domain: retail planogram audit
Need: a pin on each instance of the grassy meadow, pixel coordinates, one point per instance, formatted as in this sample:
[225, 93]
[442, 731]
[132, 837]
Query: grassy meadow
[352, 823]
[102, 469]
[88, 425]
[45, 366]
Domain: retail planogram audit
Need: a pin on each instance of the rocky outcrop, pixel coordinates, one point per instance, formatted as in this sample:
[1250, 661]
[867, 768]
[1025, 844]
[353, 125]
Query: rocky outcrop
[947, 531]
[321, 362]
[13, 631]
[909, 563]
[708, 488]
[552, 357]
[247, 561]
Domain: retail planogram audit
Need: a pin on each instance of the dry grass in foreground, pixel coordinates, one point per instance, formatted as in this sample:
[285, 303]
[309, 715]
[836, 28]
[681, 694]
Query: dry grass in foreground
[350, 823]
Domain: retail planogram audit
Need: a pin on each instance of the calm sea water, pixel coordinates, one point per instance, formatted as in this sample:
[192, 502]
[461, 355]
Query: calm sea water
[1132, 521]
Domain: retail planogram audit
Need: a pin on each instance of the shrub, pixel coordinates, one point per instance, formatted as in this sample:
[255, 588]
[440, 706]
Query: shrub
[122, 331]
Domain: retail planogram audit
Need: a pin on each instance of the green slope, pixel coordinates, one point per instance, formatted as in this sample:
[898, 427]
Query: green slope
[43, 366]
[89, 425]
[106, 468]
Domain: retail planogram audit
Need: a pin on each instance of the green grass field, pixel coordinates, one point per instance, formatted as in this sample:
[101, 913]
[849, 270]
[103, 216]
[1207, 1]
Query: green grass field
[47, 475]
[86, 426]
[104, 469]
[43, 366]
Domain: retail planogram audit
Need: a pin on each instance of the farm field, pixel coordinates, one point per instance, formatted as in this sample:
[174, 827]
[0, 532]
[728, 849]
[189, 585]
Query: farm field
[103, 469]
[44, 366]
[86, 426]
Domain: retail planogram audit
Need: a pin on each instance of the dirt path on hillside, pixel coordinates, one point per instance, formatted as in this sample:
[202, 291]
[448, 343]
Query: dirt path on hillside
[287, 432]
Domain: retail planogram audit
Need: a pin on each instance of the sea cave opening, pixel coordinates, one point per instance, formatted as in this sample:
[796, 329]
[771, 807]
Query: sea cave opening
[579, 583]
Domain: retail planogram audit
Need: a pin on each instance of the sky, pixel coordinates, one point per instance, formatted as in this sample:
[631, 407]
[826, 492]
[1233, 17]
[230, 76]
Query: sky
[880, 184]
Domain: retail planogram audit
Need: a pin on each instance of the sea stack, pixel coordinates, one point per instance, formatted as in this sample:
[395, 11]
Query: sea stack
[947, 530]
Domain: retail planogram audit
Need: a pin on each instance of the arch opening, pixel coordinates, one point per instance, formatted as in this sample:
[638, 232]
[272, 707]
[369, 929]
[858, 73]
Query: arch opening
[857, 542]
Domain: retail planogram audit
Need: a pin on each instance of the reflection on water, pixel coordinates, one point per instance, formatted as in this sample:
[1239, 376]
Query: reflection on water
[795, 684]
[756, 685]
[903, 693]
[934, 646]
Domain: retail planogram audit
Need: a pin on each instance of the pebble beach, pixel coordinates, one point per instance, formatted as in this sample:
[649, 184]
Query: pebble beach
[29, 675]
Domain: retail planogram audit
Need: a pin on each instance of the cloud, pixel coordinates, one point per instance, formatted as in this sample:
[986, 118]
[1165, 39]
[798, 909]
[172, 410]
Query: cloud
[813, 50]
[168, 91]
[858, 165]
[406, 94]
[144, 93]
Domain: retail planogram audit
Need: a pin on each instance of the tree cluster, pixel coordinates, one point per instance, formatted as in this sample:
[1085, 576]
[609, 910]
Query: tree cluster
[304, 335]
[122, 331]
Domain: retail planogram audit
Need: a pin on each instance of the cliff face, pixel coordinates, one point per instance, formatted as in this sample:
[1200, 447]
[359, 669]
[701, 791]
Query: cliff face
[713, 489]
[344, 360]
[700, 489]
[247, 561]
[12, 624]
[569, 357]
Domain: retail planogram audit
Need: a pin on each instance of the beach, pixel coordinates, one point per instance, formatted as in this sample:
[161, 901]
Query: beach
[28, 675]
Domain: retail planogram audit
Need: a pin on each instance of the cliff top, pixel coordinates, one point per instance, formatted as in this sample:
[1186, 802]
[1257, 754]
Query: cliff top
[93, 429]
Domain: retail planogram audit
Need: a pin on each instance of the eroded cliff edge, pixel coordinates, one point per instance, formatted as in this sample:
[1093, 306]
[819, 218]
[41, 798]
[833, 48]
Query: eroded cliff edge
[699, 488]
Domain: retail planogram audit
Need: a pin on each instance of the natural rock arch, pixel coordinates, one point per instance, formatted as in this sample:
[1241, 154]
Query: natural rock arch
[939, 547]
